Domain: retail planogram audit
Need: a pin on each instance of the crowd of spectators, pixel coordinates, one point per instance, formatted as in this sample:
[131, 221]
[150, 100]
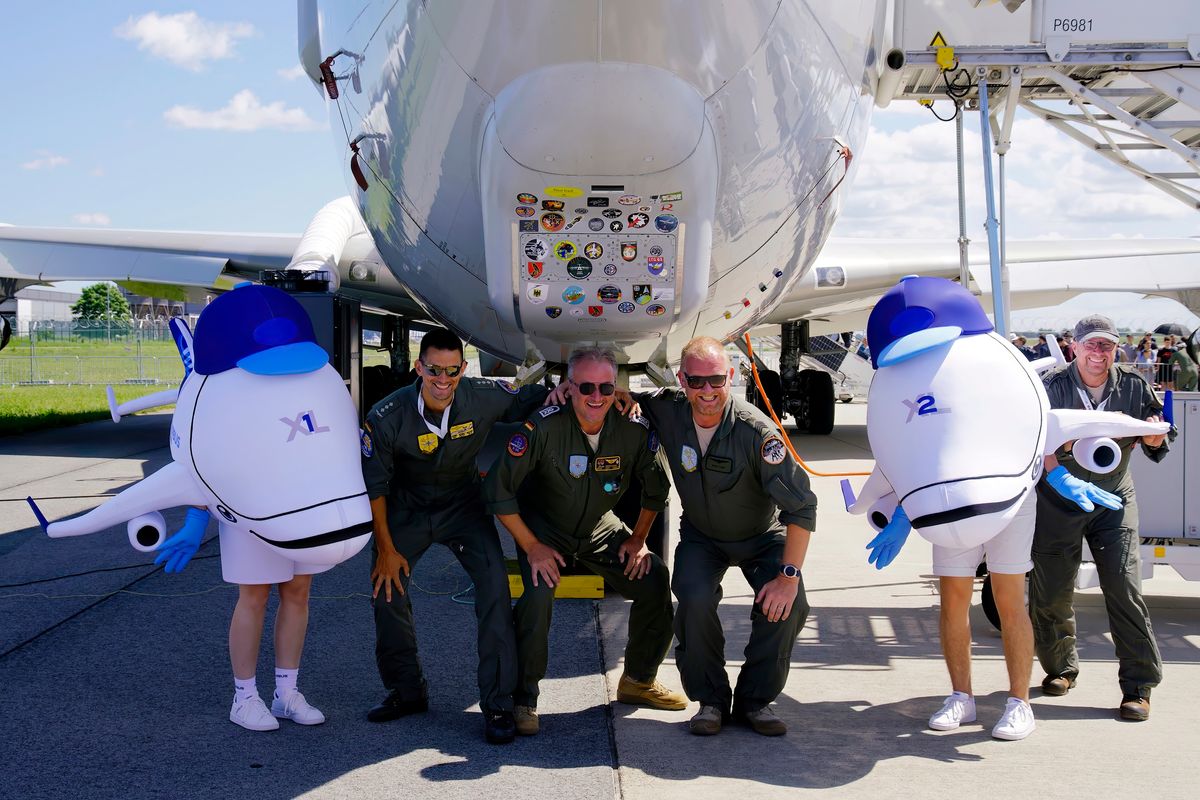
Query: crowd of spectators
[1164, 361]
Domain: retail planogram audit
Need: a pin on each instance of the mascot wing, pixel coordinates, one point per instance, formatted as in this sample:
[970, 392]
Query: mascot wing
[1065, 425]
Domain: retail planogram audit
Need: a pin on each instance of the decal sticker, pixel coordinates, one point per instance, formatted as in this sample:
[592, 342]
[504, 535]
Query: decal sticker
[670, 197]
[565, 250]
[629, 250]
[574, 221]
[643, 208]
[641, 293]
[688, 459]
[535, 268]
[596, 311]
[595, 224]
[573, 295]
[581, 211]
[655, 250]
[656, 310]
[639, 220]
[663, 295]
[517, 445]
[528, 225]
[626, 307]
[608, 463]
[553, 205]
[609, 294]
[368, 446]
[593, 250]
[597, 202]
[538, 293]
[428, 442]
[525, 211]
[610, 269]
[579, 268]
[773, 451]
[464, 430]
[578, 312]
[652, 442]
[553, 312]
[611, 213]
[535, 249]
[666, 222]
[548, 410]
[830, 277]
[667, 207]
[511, 388]
[553, 222]
[615, 226]
[655, 264]
[577, 466]
[629, 199]
[525, 198]
[563, 191]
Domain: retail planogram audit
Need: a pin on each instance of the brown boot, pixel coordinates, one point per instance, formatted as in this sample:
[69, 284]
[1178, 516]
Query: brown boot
[1135, 709]
[652, 694]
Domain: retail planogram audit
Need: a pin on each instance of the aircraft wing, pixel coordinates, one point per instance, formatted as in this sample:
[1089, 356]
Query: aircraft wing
[849, 276]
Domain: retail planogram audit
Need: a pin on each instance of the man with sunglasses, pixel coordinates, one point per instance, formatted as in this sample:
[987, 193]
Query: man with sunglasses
[419, 448]
[1092, 381]
[554, 489]
[746, 503]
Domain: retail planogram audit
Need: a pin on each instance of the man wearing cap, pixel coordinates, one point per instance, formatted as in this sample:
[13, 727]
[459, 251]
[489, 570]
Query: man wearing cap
[1092, 381]
[554, 490]
[419, 447]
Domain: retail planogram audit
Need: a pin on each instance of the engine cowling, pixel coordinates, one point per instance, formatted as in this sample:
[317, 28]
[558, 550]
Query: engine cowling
[147, 532]
[1101, 454]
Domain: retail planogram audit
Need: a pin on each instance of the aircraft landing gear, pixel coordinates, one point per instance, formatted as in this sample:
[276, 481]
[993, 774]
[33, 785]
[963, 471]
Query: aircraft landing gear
[806, 394]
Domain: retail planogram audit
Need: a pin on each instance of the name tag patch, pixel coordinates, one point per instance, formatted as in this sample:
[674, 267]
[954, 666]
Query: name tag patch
[462, 431]
[428, 442]
[577, 465]
[608, 463]
[547, 411]
[717, 464]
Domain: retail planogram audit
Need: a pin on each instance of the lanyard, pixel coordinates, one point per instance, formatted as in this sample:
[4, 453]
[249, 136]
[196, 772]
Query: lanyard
[439, 432]
[1087, 400]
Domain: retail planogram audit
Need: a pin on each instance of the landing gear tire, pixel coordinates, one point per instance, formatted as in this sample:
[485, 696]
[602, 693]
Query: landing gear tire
[773, 387]
[817, 390]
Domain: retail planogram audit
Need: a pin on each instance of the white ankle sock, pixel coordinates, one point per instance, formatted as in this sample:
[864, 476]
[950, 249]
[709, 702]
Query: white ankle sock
[285, 681]
[245, 689]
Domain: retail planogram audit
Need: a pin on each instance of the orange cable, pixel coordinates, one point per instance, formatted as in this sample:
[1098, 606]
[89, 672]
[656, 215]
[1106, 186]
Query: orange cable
[786, 439]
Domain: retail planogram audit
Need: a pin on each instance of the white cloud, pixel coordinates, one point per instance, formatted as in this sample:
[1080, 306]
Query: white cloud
[184, 39]
[244, 112]
[291, 73]
[45, 160]
[94, 218]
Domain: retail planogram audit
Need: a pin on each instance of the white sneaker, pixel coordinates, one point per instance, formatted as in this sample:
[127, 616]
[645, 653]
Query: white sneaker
[252, 714]
[297, 709]
[1016, 722]
[957, 709]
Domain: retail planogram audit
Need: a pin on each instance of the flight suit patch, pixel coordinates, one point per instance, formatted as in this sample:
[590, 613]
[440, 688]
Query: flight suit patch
[773, 451]
[652, 442]
[612, 486]
[547, 411]
[718, 464]
[506, 386]
[368, 446]
[577, 465]
[517, 445]
[428, 442]
[462, 431]
[688, 458]
[608, 463]
[528, 425]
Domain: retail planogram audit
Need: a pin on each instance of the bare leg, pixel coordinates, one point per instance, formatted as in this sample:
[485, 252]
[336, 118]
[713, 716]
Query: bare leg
[245, 629]
[1009, 593]
[955, 629]
[291, 621]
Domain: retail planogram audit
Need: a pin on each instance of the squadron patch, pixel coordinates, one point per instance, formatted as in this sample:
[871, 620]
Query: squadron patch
[462, 431]
[773, 450]
[506, 386]
[608, 463]
[547, 411]
[652, 442]
[689, 458]
[577, 465]
[368, 446]
[428, 442]
[517, 445]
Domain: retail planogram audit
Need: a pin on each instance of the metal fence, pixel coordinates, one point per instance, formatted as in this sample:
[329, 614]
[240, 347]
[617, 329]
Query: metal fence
[49, 330]
[80, 370]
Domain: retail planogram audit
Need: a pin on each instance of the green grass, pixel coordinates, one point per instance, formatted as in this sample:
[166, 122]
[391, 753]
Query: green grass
[20, 347]
[31, 408]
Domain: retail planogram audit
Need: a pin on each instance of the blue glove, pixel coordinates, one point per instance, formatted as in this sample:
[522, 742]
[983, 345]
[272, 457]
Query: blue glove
[1080, 492]
[886, 546]
[177, 551]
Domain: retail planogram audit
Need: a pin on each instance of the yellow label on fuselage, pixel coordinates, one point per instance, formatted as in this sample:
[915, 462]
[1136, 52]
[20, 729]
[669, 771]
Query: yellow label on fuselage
[563, 191]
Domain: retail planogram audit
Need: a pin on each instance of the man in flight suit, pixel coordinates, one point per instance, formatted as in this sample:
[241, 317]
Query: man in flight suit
[746, 503]
[1093, 381]
[419, 448]
[554, 490]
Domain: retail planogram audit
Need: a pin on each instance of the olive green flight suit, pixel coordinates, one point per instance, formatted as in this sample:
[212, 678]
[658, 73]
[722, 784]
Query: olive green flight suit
[1111, 535]
[736, 506]
[433, 495]
[565, 492]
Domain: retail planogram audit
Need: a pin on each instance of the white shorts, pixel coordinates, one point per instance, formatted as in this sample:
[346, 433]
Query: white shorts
[245, 560]
[1006, 553]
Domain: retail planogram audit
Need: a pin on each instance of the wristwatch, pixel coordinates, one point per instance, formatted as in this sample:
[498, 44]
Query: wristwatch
[789, 571]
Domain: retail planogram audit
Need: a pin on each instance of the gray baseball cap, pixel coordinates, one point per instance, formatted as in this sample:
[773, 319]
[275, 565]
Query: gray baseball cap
[1096, 326]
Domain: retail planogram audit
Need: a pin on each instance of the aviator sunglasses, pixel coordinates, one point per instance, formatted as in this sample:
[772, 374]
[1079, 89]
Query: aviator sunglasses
[698, 381]
[435, 371]
[589, 388]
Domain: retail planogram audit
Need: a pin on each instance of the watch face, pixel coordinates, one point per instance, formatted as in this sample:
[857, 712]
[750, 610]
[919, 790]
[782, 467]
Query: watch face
[788, 571]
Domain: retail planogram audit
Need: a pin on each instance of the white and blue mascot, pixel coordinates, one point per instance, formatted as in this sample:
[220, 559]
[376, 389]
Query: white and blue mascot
[264, 436]
[959, 422]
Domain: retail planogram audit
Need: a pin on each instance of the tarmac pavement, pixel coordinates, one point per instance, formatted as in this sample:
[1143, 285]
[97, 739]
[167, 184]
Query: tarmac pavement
[116, 682]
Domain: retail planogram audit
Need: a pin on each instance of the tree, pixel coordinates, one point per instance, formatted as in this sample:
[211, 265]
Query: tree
[103, 302]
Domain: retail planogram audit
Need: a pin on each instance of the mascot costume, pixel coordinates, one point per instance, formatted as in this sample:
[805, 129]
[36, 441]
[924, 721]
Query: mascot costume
[959, 422]
[264, 438]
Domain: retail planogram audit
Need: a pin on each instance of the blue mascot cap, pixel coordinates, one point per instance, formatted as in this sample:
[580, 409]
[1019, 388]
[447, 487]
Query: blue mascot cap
[258, 328]
[919, 314]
